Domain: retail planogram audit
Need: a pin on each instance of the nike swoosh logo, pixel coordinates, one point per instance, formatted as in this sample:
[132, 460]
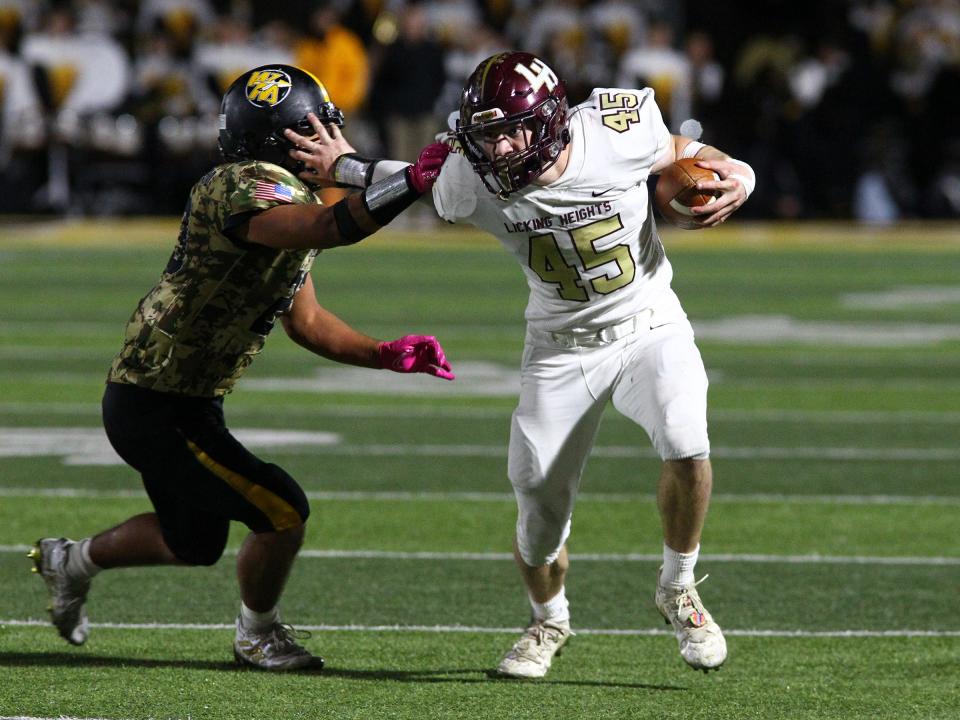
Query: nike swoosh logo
[602, 192]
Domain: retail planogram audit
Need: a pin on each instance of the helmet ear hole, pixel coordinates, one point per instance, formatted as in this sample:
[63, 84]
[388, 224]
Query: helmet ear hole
[303, 127]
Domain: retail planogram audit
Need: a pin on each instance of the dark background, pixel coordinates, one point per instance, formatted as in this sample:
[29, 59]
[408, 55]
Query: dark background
[846, 110]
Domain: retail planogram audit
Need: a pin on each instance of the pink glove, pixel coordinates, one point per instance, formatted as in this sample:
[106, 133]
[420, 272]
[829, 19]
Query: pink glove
[415, 353]
[424, 172]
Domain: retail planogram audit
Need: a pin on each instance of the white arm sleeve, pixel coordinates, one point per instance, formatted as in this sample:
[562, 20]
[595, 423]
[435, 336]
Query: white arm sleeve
[386, 168]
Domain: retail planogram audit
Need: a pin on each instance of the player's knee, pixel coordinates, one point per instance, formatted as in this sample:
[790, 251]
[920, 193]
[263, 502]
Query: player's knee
[292, 510]
[525, 474]
[691, 472]
[538, 542]
[537, 554]
[292, 494]
[682, 438]
[301, 506]
[292, 537]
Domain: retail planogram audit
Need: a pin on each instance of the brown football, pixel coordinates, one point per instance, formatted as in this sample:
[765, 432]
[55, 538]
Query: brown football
[677, 192]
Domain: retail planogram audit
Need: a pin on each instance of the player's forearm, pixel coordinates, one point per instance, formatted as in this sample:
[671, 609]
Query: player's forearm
[362, 352]
[386, 198]
[709, 152]
[687, 148]
[376, 206]
[298, 227]
[354, 170]
[326, 335]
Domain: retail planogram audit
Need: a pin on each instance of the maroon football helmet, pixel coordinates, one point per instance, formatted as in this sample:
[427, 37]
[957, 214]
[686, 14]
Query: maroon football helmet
[508, 92]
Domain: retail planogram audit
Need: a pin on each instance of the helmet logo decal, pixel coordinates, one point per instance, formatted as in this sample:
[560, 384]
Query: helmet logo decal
[487, 115]
[538, 75]
[267, 88]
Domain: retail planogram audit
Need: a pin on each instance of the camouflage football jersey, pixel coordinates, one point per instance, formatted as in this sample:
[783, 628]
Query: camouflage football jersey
[199, 328]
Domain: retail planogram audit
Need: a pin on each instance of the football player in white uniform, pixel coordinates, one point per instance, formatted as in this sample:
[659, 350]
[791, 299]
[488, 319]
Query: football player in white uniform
[564, 189]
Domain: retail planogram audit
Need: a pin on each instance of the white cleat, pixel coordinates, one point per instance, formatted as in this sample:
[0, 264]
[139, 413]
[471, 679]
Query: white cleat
[273, 649]
[702, 645]
[532, 654]
[68, 595]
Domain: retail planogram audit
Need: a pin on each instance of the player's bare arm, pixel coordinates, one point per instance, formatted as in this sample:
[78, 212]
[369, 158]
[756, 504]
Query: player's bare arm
[735, 184]
[318, 330]
[307, 226]
[321, 332]
[302, 226]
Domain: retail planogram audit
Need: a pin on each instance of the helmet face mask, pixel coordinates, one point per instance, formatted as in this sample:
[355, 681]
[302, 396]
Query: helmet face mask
[513, 95]
[263, 102]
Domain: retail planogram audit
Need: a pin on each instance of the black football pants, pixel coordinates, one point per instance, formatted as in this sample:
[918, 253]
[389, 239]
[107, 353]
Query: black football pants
[197, 475]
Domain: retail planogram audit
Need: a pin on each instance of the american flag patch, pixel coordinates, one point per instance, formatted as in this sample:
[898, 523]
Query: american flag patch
[272, 191]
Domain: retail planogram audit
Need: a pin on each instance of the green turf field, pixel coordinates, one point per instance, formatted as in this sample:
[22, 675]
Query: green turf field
[832, 541]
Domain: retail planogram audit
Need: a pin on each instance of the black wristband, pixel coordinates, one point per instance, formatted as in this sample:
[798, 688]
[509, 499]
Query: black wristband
[353, 170]
[350, 232]
[387, 198]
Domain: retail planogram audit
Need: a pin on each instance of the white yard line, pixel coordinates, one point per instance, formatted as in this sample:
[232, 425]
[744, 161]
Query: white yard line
[480, 629]
[866, 417]
[360, 381]
[640, 557]
[89, 446]
[837, 416]
[934, 454]
[498, 497]
[811, 559]
[902, 297]
[744, 330]
[491, 497]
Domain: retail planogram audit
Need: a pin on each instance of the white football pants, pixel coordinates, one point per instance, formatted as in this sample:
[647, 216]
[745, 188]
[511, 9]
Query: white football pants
[654, 376]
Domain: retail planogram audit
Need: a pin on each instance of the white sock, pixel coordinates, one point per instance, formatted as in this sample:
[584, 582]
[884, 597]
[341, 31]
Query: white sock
[79, 564]
[258, 621]
[678, 568]
[556, 609]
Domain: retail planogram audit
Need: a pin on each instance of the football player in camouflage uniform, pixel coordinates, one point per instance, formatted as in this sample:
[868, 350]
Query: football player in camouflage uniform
[564, 190]
[250, 233]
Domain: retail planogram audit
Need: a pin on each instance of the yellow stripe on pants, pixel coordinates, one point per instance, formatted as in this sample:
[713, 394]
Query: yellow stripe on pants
[280, 513]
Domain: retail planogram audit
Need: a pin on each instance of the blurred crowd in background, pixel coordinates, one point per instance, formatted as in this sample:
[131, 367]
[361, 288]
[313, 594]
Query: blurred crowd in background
[842, 107]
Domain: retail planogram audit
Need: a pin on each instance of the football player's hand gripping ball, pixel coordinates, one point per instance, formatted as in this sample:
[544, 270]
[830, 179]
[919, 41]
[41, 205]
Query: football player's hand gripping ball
[415, 354]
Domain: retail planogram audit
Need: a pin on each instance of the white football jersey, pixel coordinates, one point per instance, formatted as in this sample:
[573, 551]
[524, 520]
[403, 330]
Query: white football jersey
[587, 242]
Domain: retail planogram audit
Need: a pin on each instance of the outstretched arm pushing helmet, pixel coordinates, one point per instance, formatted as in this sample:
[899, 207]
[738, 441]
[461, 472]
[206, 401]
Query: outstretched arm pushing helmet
[298, 226]
[329, 157]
